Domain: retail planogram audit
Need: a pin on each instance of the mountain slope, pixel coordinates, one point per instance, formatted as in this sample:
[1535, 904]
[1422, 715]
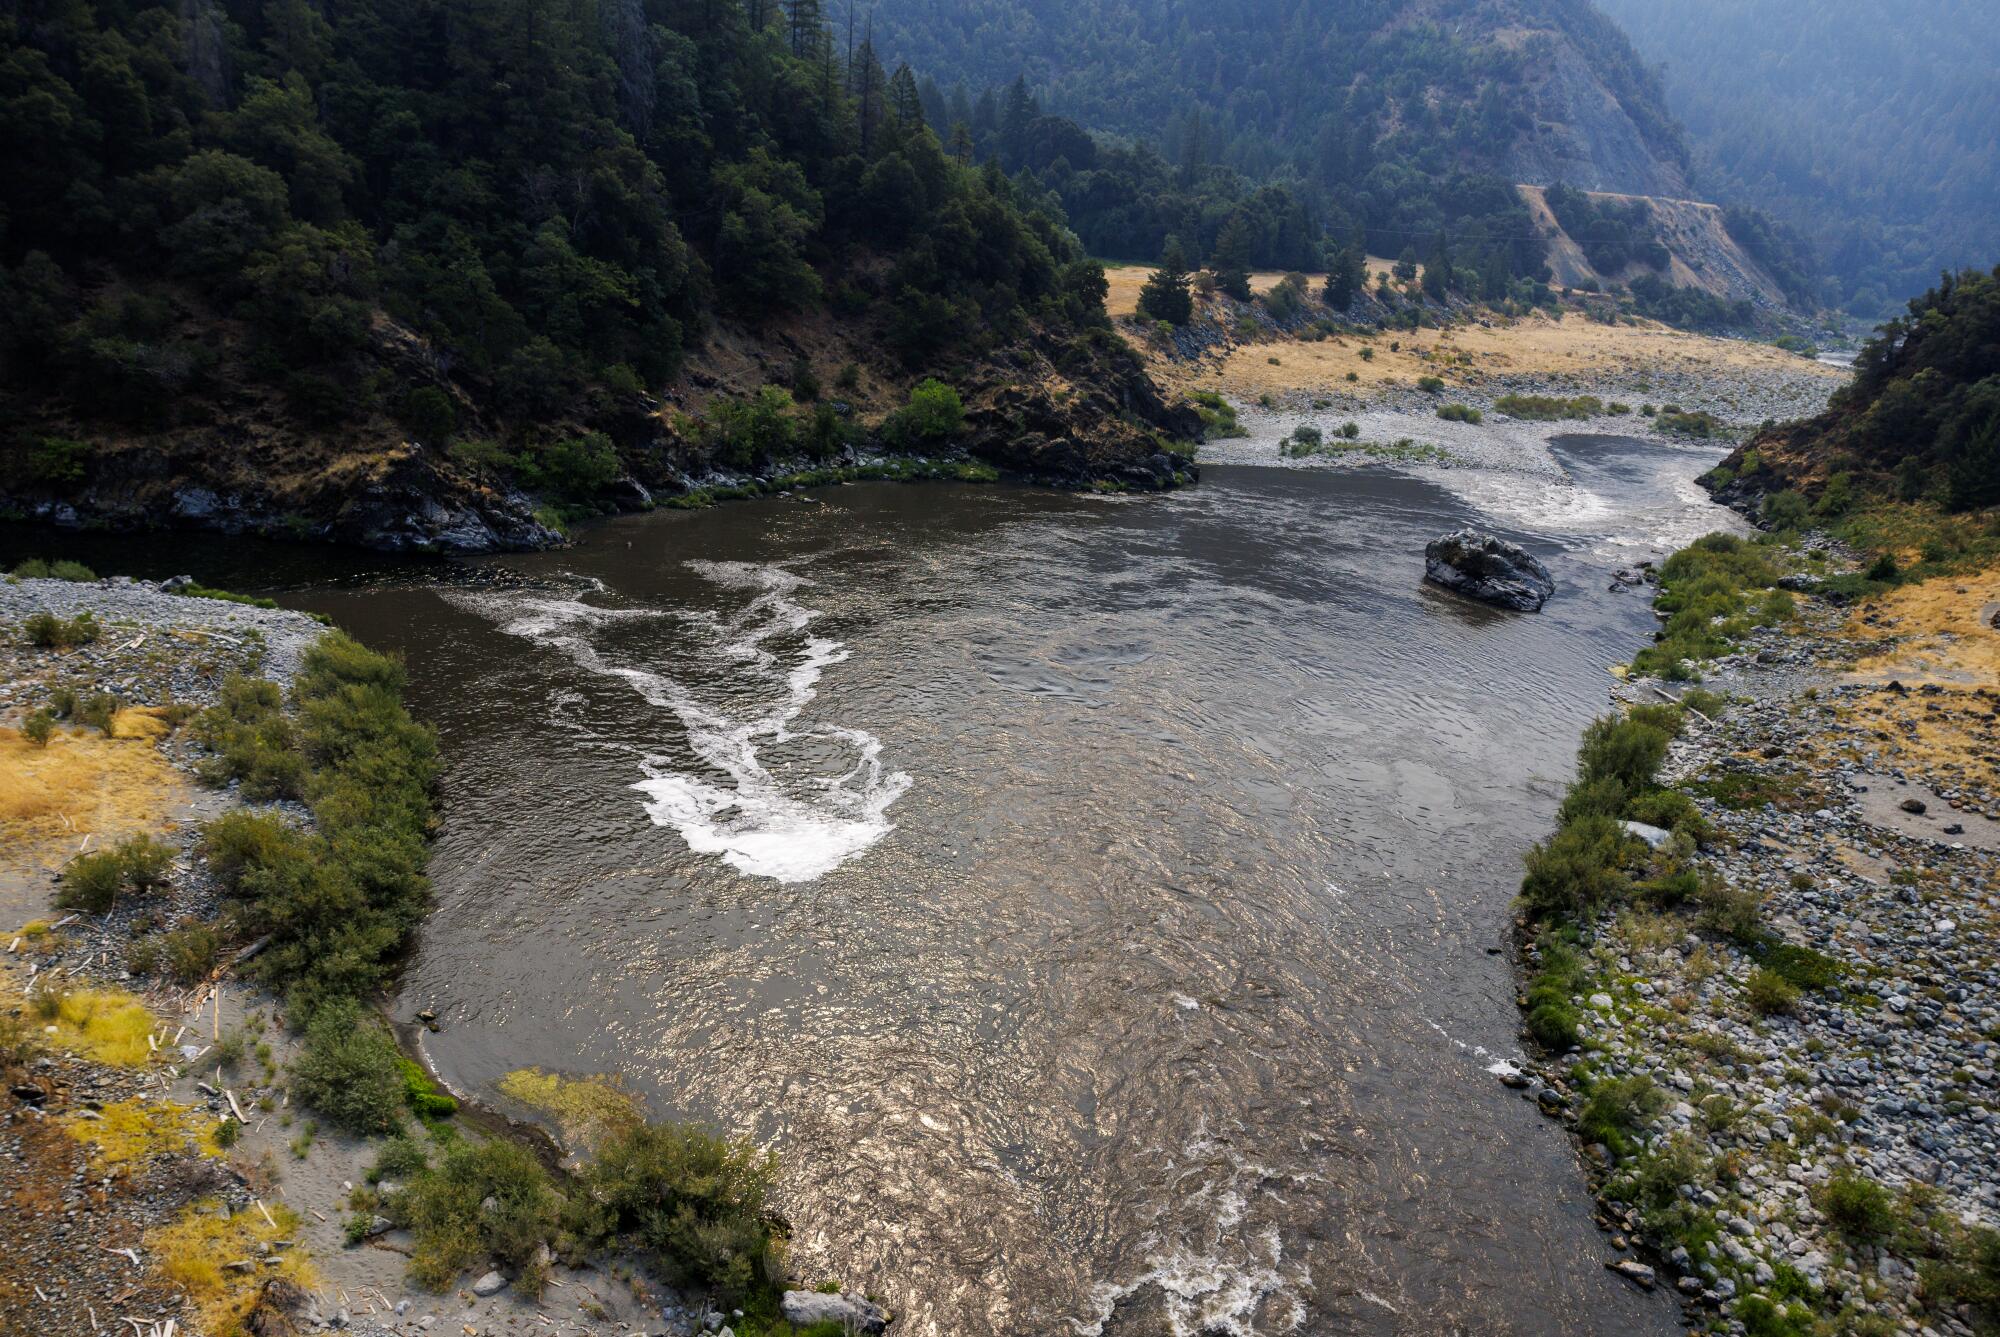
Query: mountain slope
[1530, 91]
[1870, 126]
[395, 270]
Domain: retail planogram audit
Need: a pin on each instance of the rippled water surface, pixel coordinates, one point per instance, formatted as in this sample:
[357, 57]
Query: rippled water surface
[1095, 902]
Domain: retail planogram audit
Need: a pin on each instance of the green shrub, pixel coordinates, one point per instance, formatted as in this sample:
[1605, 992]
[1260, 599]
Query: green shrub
[1350, 430]
[1801, 967]
[1431, 385]
[1460, 413]
[252, 741]
[1883, 568]
[100, 712]
[430, 414]
[486, 1200]
[146, 862]
[1577, 869]
[33, 568]
[1673, 810]
[73, 571]
[1218, 415]
[1552, 1018]
[691, 1200]
[1696, 424]
[38, 728]
[1858, 1206]
[1770, 994]
[1616, 1108]
[50, 632]
[190, 953]
[348, 1069]
[1626, 749]
[1735, 913]
[1549, 408]
[400, 1159]
[1786, 510]
[932, 417]
[91, 882]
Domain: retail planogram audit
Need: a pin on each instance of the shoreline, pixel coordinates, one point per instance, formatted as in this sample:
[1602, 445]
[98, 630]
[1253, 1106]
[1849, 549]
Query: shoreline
[1784, 1091]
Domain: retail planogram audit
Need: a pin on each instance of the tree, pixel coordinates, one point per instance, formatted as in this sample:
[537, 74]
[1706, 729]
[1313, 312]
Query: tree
[1405, 267]
[1437, 270]
[1231, 261]
[905, 104]
[1166, 295]
[1346, 272]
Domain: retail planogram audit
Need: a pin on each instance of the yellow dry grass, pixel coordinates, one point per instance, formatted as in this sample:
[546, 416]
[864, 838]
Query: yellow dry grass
[195, 1253]
[85, 784]
[1126, 280]
[1466, 355]
[135, 1130]
[587, 1109]
[1942, 637]
[108, 1025]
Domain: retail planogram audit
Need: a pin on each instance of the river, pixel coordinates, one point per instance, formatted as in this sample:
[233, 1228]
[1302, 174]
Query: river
[1099, 903]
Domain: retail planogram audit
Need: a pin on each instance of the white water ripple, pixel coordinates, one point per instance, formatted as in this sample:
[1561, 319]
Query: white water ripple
[790, 829]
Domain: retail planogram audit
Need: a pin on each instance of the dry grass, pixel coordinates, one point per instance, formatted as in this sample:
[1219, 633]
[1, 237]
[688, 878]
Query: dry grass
[1126, 280]
[587, 1109]
[194, 1254]
[108, 1025]
[85, 784]
[137, 1130]
[1940, 636]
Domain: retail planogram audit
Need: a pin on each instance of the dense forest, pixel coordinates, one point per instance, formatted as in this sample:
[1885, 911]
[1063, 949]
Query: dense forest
[499, 210]
[1921, 417]
[1378, 121]
[1870, 128]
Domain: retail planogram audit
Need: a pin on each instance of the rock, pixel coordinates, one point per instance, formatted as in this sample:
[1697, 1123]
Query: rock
[175, 584]
[1913, 805]
[1633, 1271]
[1489, 569]
[490, 1284]
[1654, 836]
[853, 1312]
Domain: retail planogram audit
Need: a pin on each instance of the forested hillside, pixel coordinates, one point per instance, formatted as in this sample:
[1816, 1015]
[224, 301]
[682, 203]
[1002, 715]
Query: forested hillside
[1920, 419]
[1408, 118]
[487, 227]
[1870, 126]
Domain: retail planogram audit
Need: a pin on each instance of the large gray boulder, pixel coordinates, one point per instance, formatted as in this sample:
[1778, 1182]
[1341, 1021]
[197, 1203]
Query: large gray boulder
[1483, 567]
[853, 1312]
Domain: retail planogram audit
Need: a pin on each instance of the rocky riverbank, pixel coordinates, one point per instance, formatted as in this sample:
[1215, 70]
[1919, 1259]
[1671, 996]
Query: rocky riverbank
[1786, 1088]
[157, 1160]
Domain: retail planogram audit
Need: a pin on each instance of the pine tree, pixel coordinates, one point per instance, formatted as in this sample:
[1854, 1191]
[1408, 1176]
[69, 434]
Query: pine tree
[1016, 115]
[961, 142]
[1438, 278]
[803, 20]
[1231, 261]
[1167, 295]
[904, 102]
[1346, 271]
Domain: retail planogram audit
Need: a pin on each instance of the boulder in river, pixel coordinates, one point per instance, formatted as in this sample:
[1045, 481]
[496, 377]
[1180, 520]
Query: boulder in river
[1490, 569]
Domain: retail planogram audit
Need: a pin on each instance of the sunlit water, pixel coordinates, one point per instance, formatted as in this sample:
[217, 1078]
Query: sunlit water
[1094, 902]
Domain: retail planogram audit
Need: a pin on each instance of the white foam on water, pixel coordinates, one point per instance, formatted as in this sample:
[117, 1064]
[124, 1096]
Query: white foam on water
[757, 823]
[1213, 1275]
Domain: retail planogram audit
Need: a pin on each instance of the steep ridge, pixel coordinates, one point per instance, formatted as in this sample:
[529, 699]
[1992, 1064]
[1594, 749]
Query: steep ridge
[1702, 253]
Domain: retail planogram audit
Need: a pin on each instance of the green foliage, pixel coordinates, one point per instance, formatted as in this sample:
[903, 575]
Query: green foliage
[1577, 869]
[1705, 594]
[251, 740]
[1431, 385]
[1770, 993]
[1697, 423]
[100, 711]
[1858, 1207]
[1786, 510]
[1552, 1017]
[1218, 415]
[929, 421]
[348, 1070]
[1615, 233]
[49, 632]
[693, 1201]
[38, 727]
[488, 1199]
[1459, 413]
[423, 1096]
[399, 1159]
[1166, 293]
[1616, 1108]
[91, 882]
[340, 902]
[190, 953]
[1549, 408]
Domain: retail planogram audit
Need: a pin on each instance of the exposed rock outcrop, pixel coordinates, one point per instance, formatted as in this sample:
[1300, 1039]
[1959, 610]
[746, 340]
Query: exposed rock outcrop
[1489, 569]
[853, 1312]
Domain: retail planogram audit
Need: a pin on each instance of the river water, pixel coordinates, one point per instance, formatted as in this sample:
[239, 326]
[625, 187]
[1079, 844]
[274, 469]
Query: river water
[1098, 903]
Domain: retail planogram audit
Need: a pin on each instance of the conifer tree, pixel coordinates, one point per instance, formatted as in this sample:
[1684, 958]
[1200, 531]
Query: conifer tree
[1231, 261]
[1167, 295]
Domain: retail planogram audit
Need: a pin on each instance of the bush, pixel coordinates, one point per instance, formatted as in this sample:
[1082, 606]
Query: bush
[1883, 568]
[1616, 1108]
[1431, 385]
[146, 862]
[72, 571]
[100, 712]
[400, 1159]
[932, 417]
[1552, 1018]
[63, 702]
[1673, 810]
[1770, 994]
[252, 740]
[1549, 408]
[49, 632]
[573, 469]
[1737, 914]
[1786, 510]
[692, 1200]
[1628, 750]
[190, 953]
[490, 1199]
[422, 1095]
[38, 728]
[1460, 413]
[91, 882]
[429, 414]
[348, 1070]
[1858, 1206]
[1577, 869]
